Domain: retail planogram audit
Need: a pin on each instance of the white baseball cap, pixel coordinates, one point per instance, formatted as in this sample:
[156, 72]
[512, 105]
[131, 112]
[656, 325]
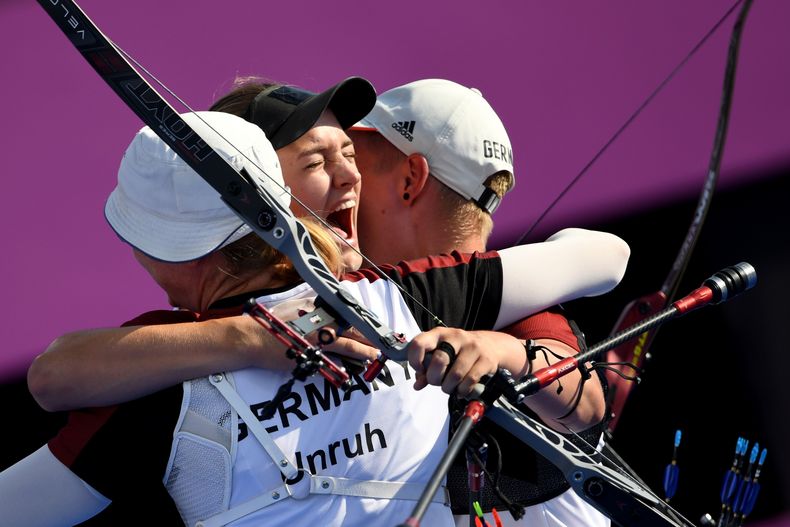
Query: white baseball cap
[453, 126]
[163, 208]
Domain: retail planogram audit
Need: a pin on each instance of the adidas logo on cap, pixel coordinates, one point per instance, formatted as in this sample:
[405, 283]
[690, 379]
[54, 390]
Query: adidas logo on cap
[405, 128]
[460, 136]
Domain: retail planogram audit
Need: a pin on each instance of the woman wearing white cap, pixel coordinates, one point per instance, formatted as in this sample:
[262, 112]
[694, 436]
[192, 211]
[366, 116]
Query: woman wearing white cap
[214, 469]
[317, 159]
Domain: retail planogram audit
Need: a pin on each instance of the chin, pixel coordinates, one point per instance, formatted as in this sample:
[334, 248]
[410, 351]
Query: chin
[351, 260]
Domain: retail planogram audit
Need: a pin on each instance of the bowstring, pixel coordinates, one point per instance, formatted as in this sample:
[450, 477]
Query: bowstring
[521, 239]
[624, 468]
[630, 120]
[284, 188]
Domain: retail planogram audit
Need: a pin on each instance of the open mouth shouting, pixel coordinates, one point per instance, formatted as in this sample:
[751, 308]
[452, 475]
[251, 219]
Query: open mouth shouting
[343, 221]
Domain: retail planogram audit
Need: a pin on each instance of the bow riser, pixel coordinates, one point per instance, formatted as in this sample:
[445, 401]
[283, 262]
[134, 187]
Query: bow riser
[613, 493]
[264, 214]
[635, 352]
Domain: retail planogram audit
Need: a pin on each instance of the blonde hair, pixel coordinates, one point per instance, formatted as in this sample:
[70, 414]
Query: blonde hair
[463, 217]
[249, 255]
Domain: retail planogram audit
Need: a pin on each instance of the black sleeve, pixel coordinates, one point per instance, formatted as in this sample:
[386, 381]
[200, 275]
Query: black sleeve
[122, 451]
[131, 449]
[463, 290]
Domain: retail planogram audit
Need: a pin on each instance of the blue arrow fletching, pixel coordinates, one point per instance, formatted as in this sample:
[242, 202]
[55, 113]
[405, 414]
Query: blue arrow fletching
[727, 490]
[743, 490]
[755, 451]
[671, 474]
[751, 498]
[762, 456]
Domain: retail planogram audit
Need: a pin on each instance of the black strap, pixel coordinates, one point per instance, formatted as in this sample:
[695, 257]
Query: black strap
[488, 201]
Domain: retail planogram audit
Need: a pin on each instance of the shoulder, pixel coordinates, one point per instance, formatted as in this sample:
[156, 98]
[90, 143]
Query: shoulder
[548, 324]
[424, 265]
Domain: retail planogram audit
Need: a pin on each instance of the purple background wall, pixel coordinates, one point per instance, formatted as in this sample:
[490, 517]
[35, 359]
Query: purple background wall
[562, 75]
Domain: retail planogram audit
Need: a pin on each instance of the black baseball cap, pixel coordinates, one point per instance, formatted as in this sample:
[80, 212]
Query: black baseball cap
[285, 113]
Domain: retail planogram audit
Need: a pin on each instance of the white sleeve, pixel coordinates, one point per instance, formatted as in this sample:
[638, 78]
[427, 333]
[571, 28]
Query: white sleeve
[39, 491]
[571, 264]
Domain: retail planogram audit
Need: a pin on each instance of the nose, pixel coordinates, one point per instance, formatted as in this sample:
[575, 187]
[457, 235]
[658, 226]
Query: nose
[345, 173]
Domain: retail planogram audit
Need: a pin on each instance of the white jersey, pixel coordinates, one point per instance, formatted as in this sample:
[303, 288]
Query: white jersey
[402, 443]
[384, 430]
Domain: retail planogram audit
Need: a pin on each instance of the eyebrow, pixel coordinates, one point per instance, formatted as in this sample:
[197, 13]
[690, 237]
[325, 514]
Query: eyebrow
[321, 147]
[310, 151]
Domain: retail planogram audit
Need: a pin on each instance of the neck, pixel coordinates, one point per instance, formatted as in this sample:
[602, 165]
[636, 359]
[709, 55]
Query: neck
[433, 233]
[234, 287]
[419, 242]
[439, 242]
[213, 283]
[471, 244]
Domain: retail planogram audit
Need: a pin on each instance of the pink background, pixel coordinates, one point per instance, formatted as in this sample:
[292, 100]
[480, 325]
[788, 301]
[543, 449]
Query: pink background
[562, 75]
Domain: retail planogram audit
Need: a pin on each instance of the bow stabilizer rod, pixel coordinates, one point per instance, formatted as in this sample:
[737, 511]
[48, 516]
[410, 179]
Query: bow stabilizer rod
[720, 287]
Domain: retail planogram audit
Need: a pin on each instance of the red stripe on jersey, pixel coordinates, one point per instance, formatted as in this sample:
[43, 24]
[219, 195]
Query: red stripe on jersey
[544, 325]
[83, 424]
[81, 427]
[421, 265]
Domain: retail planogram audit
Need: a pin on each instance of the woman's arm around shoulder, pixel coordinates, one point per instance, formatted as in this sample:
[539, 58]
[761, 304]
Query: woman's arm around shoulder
[572, 263]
